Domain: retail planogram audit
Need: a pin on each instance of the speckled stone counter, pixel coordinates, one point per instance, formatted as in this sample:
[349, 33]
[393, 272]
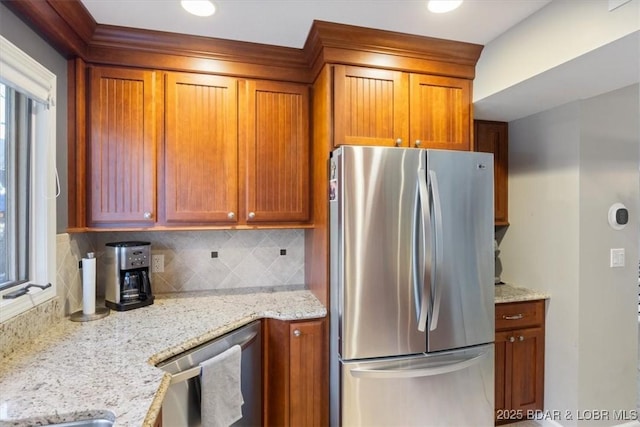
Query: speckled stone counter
[509, 293]
[106, 367]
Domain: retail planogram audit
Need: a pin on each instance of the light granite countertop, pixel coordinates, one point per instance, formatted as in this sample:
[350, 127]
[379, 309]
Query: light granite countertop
[106, 367]
[509, 293]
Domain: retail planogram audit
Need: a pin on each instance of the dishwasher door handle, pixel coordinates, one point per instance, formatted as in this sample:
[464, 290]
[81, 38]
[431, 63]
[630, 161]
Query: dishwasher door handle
[195, 371]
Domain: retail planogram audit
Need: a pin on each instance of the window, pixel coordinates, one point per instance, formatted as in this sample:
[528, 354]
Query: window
[27, 180]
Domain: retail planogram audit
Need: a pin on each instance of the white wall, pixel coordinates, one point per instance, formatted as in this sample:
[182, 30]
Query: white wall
[567, 166]
[608, 297]
[568, 50]
[540, 248]
[558, 33]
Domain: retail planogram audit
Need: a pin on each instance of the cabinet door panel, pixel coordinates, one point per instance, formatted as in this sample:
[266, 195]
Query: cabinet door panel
[296, 375]
[440, 112]
[275, 126]
[122, 160]
[528, 365]
[201, 149]
[370, 106]
[306, 361]
[492, 137]
[502, 374]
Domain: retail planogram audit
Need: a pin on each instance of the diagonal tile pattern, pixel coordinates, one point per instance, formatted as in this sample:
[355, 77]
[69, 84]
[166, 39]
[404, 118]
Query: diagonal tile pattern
[245, 258]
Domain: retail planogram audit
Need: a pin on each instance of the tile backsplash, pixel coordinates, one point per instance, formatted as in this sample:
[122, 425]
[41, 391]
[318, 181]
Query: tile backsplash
[193, 260]
[70, 248]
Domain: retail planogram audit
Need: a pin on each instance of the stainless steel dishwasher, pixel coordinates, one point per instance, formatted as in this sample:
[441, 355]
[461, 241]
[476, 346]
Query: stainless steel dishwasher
[181, 405]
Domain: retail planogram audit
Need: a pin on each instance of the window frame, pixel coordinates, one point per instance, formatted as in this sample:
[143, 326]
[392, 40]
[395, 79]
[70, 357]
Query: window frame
[23, 73]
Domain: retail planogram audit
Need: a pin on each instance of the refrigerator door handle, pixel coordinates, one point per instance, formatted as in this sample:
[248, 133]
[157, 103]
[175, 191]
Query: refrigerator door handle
[421, 277]
[403, 371]
[438, 258]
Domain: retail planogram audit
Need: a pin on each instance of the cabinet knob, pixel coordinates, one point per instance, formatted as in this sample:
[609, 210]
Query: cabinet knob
[231, 215]
[512, 339]
[148, 215]
[398, 142]
[296, 332]
[520, 338]
[252, 215]
[418, 143]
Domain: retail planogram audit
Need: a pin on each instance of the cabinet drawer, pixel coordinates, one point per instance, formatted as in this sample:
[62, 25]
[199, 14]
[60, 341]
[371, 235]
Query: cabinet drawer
[519, 314]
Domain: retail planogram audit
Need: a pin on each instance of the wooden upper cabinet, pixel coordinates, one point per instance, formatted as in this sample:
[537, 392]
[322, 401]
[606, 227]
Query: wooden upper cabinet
[492, 137]
[122, 147]
[200, 149]
[440, 112]
[370, 106]
[392, 108]
[274, 130]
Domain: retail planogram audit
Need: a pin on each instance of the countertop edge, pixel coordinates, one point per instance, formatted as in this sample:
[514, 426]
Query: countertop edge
[506, 293]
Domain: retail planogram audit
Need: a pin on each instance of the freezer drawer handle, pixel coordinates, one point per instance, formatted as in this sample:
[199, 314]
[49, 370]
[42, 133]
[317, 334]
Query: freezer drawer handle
[440, 369]
[195, 371]
[514, 317]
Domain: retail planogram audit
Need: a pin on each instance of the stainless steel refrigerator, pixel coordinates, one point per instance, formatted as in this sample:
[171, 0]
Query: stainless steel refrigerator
[412, 287]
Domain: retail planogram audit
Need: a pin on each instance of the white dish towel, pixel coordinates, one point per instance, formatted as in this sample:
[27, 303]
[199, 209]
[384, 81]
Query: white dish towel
[221, 398]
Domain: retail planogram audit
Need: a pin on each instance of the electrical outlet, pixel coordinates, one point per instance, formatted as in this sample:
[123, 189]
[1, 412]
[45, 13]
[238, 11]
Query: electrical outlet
[157, 263]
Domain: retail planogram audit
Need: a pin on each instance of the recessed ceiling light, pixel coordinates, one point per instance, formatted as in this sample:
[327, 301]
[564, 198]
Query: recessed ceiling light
[442, 6]
[199, 7]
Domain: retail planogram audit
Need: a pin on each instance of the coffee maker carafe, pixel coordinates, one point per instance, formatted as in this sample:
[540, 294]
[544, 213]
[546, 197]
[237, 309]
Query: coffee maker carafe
[126, 275]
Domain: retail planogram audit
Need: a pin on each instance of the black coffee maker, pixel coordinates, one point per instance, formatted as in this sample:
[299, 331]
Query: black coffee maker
[126, 275]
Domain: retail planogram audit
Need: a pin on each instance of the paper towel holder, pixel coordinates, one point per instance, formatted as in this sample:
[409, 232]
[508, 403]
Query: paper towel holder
[98, 313]
[79, 316]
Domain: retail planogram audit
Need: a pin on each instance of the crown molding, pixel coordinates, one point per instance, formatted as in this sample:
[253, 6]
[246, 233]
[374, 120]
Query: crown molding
[66, 25]
[69, 27]
[348, 44]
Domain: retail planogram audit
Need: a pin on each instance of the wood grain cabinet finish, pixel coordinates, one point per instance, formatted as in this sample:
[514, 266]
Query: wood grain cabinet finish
[274, 132]
[493, 137]
[201, 149]
[370, 106]
[225, 151]
[519, 359]
[393, 108]
[440, 112]
[121, 147]
[296, 373]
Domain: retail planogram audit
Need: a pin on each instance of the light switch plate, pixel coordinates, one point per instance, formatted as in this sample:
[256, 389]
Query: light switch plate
[617, 257]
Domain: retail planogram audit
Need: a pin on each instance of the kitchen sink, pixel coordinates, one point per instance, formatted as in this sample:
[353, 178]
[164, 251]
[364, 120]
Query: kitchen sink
[82, 419]
[93, 422]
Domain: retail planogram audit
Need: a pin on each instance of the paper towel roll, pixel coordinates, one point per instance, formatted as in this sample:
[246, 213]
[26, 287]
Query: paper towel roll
[89, 284]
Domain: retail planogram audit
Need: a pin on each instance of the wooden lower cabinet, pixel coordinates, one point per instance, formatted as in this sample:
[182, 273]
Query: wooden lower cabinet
[519, 360]
[296, 373]
[158, 422]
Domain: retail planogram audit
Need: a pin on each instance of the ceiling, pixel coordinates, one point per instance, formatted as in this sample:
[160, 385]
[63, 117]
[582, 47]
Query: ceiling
[287, 22]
